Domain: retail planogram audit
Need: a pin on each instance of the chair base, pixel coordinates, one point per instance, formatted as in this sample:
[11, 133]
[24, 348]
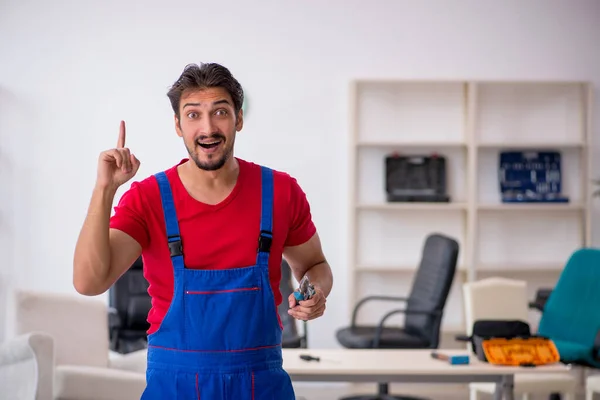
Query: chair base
[382, 394]
[381, 397]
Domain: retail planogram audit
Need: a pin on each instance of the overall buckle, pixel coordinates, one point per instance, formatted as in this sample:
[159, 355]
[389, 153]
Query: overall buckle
[264, 241]
[175, 246]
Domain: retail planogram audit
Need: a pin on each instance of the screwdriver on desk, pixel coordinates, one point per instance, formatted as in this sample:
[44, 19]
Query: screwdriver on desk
[308, 357]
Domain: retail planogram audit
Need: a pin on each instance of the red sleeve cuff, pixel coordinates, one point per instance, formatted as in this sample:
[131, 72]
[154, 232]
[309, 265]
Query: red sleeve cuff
[129, 216]
[302, 227]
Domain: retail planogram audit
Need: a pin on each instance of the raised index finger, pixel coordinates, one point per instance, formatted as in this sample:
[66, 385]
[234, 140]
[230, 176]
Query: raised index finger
[121, 142]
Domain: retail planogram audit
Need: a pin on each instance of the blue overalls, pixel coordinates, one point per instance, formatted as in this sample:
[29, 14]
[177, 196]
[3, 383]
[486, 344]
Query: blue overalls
[221, 338]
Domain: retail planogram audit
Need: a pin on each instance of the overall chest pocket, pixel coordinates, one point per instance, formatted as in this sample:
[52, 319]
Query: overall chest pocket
[222, 309]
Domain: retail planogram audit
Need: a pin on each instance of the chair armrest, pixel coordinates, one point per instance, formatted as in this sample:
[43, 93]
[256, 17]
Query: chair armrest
[596, 347]
[463, 338]
[76, 382]
[369, 298]
[43, 347]
[27, 366]
[135, 361]
[379, 329]
[114, 325]
[541, 297]
[114, 320]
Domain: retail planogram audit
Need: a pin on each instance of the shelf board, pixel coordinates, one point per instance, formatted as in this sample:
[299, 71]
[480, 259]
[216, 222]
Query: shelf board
[483, 267]
[500, 268]
[386, 268]
[394, 268]
[528, 82]
[531, 145]
[492, 145]
[453, 328]
[531, 207]
[410, 145]
[412, 206]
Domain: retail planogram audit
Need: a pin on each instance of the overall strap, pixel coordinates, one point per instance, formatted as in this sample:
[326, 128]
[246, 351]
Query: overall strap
[266, 219]
[173, 237]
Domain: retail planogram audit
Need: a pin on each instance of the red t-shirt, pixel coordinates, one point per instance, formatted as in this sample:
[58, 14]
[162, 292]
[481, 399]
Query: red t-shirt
[218, 236]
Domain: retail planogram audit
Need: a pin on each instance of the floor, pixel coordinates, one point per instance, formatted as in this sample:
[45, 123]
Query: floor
[335, 391]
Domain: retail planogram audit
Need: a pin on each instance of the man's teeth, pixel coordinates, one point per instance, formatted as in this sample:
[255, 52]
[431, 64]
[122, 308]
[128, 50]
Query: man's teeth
[209, 144]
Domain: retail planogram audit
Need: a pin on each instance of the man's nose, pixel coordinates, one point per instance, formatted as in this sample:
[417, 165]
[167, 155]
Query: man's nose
[206, 126]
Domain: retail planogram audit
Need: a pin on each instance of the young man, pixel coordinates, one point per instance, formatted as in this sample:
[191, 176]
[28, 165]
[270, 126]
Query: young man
[212, 231]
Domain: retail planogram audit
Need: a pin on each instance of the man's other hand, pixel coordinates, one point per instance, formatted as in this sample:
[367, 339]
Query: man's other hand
[306, 310]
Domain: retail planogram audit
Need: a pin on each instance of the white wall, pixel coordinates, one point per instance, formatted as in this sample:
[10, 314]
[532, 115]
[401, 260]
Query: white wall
[69, 71]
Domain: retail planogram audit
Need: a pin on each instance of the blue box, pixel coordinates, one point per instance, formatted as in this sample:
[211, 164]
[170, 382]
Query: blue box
[531, 177]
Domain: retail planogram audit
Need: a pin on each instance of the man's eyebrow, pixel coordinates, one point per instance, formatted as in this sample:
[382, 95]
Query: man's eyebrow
[223, 101]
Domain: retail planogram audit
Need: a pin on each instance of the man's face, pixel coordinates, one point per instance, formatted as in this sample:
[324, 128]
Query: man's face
[208, 126]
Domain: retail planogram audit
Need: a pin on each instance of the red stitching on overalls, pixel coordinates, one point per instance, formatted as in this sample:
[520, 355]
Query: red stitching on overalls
[197, 388]
[252, 385]
[221, 291]
[215, 351]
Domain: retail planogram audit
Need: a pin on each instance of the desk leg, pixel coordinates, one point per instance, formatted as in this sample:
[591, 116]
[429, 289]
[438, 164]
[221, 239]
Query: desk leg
[508, 387]
[505, 389]
[499, 391]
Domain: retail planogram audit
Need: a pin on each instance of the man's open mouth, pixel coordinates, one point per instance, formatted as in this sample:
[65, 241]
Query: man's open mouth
[210, 145]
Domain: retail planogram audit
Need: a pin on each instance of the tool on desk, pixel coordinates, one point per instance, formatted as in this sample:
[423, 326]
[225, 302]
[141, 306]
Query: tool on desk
[307, 357]
[522, 351]
[305, 290]
[453, 360]
[510, 342]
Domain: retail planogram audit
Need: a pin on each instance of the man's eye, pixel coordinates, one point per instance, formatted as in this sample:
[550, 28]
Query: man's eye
[221, 112]
[192, 115]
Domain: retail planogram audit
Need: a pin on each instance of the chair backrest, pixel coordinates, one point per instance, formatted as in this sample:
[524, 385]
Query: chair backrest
[494, 298]
[431, 286]
[571, 314]
[290, 329]
[129, 297]
[77, 324]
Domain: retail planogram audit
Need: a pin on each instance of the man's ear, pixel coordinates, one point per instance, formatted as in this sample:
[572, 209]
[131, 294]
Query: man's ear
[239, 123]
[178, 126]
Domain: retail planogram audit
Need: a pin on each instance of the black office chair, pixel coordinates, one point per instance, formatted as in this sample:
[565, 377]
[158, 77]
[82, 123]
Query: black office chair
[291, 336]
[423, 312]
[129, 304]
[541, 297]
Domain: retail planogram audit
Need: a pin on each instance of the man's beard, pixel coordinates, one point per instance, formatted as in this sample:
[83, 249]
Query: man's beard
[214, 163]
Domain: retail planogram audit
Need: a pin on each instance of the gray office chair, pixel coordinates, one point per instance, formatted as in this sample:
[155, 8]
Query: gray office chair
[423, 310]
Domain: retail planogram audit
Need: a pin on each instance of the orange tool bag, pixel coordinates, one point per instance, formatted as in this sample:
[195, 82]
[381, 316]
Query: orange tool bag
[510, 343]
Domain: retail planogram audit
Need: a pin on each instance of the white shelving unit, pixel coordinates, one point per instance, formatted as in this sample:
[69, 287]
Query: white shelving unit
[468, 122]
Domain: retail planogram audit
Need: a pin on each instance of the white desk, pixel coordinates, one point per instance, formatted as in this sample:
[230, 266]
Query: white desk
[414, 366]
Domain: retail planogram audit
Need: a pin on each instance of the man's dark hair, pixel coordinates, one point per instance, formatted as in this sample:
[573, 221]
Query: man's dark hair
[204, 76]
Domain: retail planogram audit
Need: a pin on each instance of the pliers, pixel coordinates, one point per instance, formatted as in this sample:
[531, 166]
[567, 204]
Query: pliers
[305, 290]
